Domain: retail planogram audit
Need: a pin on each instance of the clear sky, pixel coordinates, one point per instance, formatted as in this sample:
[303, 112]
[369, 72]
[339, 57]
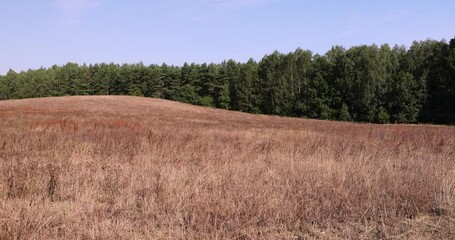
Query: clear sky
[46, 32]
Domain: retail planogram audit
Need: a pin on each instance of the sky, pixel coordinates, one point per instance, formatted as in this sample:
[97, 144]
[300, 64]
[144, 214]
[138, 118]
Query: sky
[42, 33]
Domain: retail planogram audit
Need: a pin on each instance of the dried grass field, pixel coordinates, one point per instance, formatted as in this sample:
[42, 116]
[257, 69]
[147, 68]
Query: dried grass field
[136, 168]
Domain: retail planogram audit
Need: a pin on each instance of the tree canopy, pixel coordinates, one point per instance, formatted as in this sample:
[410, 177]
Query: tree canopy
[379, 84]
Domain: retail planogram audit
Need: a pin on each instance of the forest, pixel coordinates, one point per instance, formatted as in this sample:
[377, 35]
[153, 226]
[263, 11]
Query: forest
[366, 83]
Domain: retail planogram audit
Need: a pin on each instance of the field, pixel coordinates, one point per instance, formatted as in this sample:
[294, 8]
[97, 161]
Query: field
[136, 168]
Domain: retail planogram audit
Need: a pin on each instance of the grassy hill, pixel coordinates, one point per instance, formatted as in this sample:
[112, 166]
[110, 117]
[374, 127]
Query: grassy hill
[120, 167]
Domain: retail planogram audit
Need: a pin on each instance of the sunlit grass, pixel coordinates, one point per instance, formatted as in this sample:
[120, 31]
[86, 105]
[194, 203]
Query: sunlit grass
[126, 167]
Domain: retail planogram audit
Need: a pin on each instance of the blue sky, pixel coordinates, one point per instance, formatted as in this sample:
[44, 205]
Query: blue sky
[43, 33]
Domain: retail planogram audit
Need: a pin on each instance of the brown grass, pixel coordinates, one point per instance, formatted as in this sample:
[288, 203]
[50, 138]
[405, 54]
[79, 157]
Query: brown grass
[126, 167]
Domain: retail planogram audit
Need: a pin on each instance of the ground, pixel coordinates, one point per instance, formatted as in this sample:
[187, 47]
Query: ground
[117, 167]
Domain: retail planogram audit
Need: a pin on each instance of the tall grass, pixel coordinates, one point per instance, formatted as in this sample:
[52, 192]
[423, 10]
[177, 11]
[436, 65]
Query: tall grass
[126, 167]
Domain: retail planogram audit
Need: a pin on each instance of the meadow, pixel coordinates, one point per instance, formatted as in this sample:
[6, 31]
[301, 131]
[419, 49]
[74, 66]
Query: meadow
[117, 167]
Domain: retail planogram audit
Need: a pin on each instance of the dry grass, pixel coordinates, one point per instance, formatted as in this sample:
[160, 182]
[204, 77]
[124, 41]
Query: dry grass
[126, 167]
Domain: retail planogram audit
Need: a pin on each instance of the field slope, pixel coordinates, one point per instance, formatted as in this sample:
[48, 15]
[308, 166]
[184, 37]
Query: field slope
[120, 167]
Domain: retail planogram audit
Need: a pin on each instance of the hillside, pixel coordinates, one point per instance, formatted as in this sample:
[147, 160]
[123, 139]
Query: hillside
[117, 167]
[375, 84]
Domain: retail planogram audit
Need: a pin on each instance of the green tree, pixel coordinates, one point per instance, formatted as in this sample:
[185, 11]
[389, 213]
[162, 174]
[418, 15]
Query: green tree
[449, 96]
[152, 83]
[274, 87]
[315, 99]
[209, 84]
[4, 91]
[344, 114]
[99, 79]
[224, 99]
[10, 85]
[244, 88]
[224, 87]
[187, 94]
[360, 81]
[426, 63]
[404, 99]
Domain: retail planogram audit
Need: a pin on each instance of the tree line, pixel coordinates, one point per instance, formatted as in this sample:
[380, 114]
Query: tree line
[379, 84]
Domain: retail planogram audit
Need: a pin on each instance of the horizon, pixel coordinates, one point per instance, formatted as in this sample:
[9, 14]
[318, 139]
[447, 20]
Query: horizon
[205, 31]
[219, 62]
